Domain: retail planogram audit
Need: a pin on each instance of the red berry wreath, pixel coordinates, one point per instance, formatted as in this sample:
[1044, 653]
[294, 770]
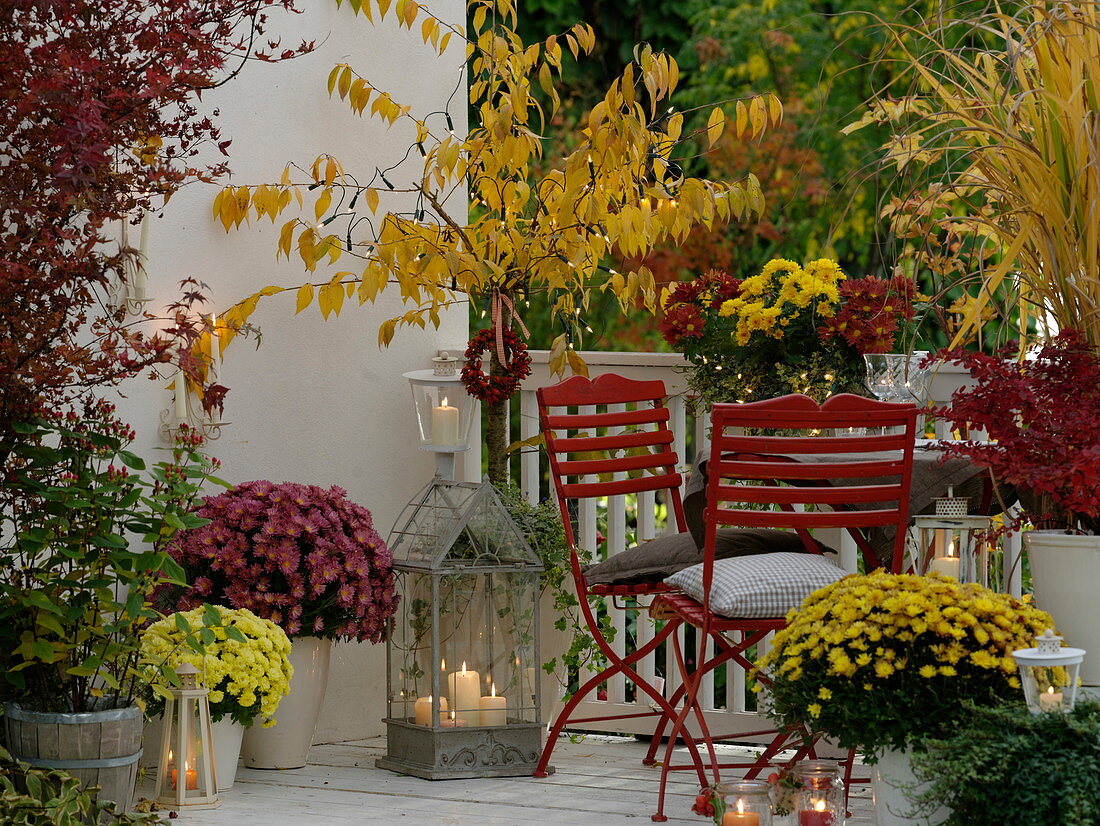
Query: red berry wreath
[495, 388]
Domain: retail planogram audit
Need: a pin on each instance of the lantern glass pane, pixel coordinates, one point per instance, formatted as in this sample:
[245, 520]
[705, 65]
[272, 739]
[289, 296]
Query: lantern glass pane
[188, 753]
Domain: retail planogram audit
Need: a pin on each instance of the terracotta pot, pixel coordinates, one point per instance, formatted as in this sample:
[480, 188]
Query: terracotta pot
[286, 744]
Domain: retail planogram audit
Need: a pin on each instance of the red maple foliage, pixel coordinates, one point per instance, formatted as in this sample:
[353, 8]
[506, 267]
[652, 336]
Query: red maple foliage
[99, 119]
[1042, 420]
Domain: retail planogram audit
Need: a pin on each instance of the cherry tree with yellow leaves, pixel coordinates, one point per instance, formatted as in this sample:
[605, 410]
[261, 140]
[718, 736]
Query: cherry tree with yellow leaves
[535, 224]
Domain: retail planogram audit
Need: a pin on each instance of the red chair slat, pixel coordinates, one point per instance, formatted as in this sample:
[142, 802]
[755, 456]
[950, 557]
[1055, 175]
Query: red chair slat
[617, 441]
[645, 415]
[620, 464]
[590, 490]
[793, 471]
[809, 495]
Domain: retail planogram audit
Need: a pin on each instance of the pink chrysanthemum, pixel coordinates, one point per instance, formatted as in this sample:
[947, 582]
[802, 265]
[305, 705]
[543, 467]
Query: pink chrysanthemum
[304, 557]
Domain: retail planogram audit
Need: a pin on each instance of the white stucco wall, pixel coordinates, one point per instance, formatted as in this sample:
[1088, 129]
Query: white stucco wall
[316, 402]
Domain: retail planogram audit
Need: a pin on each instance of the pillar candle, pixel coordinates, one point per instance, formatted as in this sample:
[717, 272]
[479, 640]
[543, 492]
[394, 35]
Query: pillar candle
[181, 396]
[1050, 700]
[739, 817]
[444, 424]
[453, 722]
[141, 278]
[494, 709]
[422, 710]
[818, 816]
[465, 695]
[948, 565]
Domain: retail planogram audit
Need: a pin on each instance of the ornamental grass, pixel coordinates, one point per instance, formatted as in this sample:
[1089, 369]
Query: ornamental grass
[243, 661]
[878, 661]
[1003, 137]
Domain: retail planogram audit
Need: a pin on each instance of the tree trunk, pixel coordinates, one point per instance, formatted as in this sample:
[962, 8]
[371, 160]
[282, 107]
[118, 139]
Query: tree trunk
[496, 429]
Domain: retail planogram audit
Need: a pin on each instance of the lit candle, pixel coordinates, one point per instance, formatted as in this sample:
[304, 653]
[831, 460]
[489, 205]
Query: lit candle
[190, 776]
[948, 565]
[818, 816]
[422, 710]
[444, 424]
[215, 347]
[453, 722]
[740, 817]
[494, 709]
[1051, 700]
[466, 695]
[181, 396]
[141, 279]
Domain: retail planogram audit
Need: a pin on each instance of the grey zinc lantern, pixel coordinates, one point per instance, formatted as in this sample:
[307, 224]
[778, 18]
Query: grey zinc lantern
[463, 653]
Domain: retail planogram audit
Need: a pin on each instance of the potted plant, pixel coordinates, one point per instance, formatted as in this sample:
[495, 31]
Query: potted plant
[788, 329]
[74, 584]
[880, 661]
[1005, 765]
[242, 659]
[306, 558]
[1041, 416]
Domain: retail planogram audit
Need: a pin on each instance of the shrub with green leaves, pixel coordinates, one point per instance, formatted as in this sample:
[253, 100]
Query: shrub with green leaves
[47, 797]
[1005, 765]
[83, 525]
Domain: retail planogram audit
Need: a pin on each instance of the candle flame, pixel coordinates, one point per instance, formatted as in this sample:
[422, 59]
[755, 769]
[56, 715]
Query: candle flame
[463, 668]
[819, 806]
[740, 806]
[1050, 689]
[494, 690]
[443, 664]
[951, 548]
[444, 402]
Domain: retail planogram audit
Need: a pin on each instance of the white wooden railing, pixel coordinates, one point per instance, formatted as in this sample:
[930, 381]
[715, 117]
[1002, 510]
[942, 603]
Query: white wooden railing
[725, 694]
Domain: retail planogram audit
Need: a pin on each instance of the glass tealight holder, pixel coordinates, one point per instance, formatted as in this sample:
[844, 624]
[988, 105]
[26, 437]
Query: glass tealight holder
[820, 801]
[744, 803]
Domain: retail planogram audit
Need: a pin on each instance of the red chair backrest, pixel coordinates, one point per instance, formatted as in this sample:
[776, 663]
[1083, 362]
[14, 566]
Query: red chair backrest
[876, 485]
[622, 441]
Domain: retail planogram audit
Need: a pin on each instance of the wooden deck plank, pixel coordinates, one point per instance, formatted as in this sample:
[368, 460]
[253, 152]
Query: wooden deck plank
[598, 780]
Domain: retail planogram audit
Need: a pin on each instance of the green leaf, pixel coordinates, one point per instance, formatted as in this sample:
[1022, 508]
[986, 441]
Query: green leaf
[131, 460]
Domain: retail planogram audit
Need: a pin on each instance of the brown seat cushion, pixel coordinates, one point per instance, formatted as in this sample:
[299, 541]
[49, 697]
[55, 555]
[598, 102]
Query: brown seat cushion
[662, 557]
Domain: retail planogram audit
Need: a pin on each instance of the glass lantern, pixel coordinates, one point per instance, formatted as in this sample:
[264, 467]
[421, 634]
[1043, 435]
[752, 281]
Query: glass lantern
[1049, 674]
[186, 778]
[952, 546]
[745, 803]
[463, 653]
[820, 801]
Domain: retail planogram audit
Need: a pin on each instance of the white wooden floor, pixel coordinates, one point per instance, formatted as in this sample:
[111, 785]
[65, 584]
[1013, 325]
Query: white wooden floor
[599, 780]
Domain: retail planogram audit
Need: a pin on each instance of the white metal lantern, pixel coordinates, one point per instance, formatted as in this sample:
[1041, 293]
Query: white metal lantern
[444, 411]
[951, 545]
[187, 778]
[1049, 674]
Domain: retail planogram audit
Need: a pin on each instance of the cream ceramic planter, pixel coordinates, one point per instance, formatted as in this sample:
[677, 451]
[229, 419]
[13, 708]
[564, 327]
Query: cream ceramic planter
[1066, 574]
[286, 744]
[892, 783]
[228, 735]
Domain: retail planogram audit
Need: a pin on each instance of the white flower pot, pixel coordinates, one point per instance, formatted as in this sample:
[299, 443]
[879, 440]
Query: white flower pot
[286, 744]
[1066, 574]
[892, 783]
[227, 751]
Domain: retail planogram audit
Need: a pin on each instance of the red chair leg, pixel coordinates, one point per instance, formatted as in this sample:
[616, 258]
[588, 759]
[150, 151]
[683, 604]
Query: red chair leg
[619, 665]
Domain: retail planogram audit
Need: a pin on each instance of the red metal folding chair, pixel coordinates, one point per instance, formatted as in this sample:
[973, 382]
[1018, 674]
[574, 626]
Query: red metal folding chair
[757, 481]
[606, 437]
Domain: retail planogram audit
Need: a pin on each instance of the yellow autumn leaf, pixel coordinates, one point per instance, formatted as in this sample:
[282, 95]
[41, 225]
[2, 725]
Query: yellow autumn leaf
[324, 201]
[716, 124]
[305, 297]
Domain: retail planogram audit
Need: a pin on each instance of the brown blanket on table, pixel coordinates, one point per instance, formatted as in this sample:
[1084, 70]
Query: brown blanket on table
[932, 475]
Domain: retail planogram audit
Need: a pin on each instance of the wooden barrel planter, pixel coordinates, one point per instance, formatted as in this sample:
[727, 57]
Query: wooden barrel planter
[98, 748]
